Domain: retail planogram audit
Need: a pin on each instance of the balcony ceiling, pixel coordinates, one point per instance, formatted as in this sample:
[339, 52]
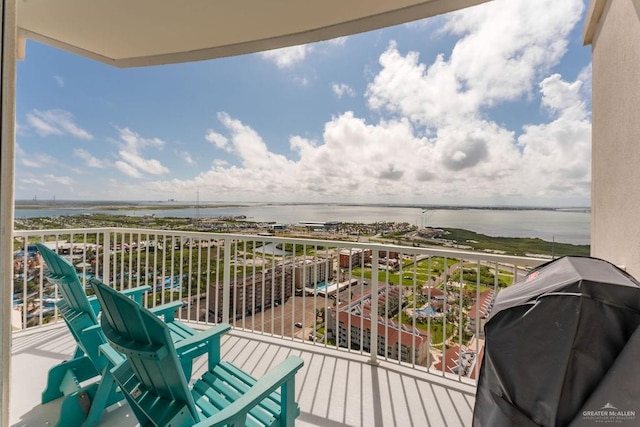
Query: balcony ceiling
[129, 33]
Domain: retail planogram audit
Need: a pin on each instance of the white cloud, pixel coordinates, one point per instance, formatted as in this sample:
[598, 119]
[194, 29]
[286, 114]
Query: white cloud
[518, 41]
[220, 141]
[56, 122]
[135, 142]
[127, 169]
[504, 47]
[585, 77]
[301, 81]
[556, 156]
[341, 89]
[150, 166]
[21, 129]
[59, 80]
[391, 161]
[287, 57]
[41, 126]
[32, 181]
[88, 159]
[131, 162]
[63, 180]
[338, 41]
[36, 160]
[184, 155]
[249, 146]
[435, 141]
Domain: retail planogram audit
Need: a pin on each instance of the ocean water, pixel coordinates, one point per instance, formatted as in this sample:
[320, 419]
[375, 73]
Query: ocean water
[559, 225]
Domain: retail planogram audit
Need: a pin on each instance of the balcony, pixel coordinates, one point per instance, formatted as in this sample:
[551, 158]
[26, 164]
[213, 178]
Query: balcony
[385, 331]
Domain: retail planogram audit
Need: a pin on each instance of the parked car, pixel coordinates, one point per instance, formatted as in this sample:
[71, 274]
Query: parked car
[298, 325]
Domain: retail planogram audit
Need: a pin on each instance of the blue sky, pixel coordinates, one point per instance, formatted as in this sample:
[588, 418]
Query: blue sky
[490, 106]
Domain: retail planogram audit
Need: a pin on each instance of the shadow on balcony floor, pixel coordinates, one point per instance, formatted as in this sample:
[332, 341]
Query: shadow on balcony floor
[333, 388]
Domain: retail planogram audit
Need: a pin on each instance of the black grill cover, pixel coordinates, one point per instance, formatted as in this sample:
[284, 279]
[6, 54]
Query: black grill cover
[563, 348]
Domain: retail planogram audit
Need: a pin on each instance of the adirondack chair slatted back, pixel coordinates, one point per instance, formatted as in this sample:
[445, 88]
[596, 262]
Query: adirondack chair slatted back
[152, 370]
[63, 273]
[74, 307]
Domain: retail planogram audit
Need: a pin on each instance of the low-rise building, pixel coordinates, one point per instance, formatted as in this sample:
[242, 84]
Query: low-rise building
[434, 294]
[390, 300]
[479, 312]
[459, 361]
[354, 257]
[351, 325]
[394, 341]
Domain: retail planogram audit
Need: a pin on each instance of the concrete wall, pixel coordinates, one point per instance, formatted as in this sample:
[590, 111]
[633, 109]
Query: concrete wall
[615, 189]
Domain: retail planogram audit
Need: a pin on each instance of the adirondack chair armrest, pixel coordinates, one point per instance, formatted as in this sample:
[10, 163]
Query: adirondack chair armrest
[136, 293]
[266, 385]
[167, 310]
[209, 336]
[111, 354]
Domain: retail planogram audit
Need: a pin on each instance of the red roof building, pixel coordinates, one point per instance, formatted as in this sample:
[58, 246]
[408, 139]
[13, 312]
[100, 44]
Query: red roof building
[397, 342]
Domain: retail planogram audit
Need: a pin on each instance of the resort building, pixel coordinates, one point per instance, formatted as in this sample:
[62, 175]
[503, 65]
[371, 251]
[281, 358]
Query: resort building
[396, 341]
[480, 310]
[434, 294]
[354, 257]
[257, 292]
[320, 225]
[253, 293]
[351, 325]
[310, 271]
[389, 255]
[390, 300]
[459, 361]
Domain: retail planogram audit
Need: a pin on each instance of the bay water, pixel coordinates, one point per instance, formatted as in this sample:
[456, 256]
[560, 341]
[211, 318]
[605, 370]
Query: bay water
[567, 226]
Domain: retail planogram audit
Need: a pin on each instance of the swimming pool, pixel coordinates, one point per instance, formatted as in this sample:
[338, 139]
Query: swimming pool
[427, 311]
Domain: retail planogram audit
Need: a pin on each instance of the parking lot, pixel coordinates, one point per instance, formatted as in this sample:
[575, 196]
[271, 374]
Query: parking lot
[281, 320]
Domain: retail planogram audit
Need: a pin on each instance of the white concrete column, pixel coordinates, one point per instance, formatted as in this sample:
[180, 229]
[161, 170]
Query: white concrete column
[7, 154]
[613, 30]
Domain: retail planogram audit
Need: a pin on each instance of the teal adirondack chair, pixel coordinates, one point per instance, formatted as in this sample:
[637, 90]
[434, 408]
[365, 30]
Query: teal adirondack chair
[85, 403]
[158, 391]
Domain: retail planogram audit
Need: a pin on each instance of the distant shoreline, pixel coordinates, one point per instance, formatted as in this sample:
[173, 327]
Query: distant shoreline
[128, 205]
[116, 206]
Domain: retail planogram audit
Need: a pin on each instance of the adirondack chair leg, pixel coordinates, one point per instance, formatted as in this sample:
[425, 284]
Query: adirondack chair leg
[187, 366]
[214, 352]
[106, 395]
[75, 407]
[82, 369]
[288, 408]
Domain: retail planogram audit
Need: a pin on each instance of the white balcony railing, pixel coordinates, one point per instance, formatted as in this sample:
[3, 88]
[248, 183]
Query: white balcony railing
[421, 307]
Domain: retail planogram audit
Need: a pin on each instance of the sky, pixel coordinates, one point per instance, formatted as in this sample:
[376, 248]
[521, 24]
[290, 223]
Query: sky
[486, 106]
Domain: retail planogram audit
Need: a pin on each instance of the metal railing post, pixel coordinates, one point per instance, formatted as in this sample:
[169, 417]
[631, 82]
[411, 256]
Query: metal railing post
[226, 280]
[374, 308]
[106, 274]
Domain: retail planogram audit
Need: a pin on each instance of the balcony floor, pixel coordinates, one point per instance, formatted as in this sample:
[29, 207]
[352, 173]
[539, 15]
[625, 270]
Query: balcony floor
[334, 388]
